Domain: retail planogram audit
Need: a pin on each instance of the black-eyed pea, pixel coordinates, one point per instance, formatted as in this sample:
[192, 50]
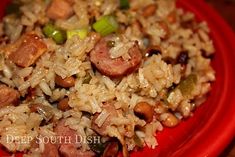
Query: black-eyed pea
[63, 104]
[66, 82]
[149, 10]
[169, 120]
[144, 110]
[165, 28]
[171, 18]
[152, 50]
[185, 108]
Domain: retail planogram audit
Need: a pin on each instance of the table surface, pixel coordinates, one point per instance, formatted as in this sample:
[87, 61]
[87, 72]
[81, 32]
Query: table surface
[226, 8]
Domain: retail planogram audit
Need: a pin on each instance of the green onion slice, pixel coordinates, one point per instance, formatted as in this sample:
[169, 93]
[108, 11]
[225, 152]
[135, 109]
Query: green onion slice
[56, 34]
[81, 33]
[106, 25]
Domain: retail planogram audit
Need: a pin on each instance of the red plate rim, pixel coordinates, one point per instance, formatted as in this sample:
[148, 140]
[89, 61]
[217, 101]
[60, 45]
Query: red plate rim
[223, 37]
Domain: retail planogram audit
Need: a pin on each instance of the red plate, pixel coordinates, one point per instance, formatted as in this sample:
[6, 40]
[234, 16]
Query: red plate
[212, 127]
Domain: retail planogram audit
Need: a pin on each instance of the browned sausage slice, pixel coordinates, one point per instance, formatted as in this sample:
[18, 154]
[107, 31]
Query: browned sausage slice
[65, 132]
[50, 150]
[8, 96]
[29, 48]
[69, 151]
[71, 1]
[70, 141]
[116, 67]
[60, 9]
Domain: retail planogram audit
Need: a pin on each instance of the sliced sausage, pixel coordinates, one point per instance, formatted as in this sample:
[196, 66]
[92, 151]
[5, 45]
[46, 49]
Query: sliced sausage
[109, 107]
[60, 9]
[68, 148]
[116, 67]
[8, 96]
[68, 139]
[71, 1]
[69, 151]
[50, 150]
[66, 132]
[30, 48]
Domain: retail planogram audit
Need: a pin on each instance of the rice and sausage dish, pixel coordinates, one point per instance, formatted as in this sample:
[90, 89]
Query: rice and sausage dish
[98, 77]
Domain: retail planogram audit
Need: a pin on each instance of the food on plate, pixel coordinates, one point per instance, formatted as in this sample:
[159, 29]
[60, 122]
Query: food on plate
[98, 77]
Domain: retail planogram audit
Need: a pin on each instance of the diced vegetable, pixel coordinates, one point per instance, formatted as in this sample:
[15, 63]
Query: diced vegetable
[124, 4]
[48, 29]
[106, 25]
[87, 79]
[58, 35]
[81, 33]
[97, 147]
[186, 86]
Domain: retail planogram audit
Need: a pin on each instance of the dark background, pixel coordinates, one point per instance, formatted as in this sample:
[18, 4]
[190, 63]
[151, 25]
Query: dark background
[226, 9]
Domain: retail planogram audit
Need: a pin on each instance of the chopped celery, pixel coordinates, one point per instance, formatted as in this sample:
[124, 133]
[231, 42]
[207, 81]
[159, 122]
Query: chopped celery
[87, 79]
[106, 25]
[187, 85]
[81, 33]
[124, 4]
[56, 34]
